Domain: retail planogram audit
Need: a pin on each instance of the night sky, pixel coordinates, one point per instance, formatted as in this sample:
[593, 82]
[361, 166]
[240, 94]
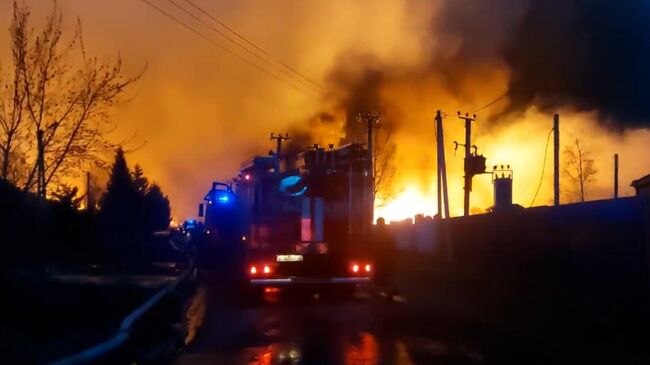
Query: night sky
[198, 111]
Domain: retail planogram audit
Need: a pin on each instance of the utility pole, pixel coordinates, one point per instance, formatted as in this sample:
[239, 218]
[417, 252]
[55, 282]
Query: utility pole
[279, 138]
[442, 168]
[371, 120]
[350, 198]
[616, 176]
[442, 182]
[41, 189]
[40, 160]
[90, 201]
[556, 159]
[468, 155]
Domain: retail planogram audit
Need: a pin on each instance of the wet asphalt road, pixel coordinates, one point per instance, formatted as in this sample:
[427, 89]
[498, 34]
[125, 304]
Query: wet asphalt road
[365, 329]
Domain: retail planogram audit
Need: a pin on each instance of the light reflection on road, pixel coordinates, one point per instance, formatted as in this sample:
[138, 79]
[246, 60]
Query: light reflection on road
[347, 333]
[364, 351]
[195, 315]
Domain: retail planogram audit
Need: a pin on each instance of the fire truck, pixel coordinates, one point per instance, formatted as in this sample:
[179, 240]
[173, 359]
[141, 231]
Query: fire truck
[301, 219]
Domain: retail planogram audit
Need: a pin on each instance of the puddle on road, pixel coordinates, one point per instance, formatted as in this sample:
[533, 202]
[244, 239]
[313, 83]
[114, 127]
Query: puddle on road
[337, 345]
[277, 354]
[364, 349]
[195, 315]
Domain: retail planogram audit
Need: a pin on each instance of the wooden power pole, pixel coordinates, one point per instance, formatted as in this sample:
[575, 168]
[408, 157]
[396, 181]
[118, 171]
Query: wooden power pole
[616, 176]
[279, 139]
[556, 159]
[40, 162]
[371, 120]
[443, 196]
[278, 148]
[468, 155]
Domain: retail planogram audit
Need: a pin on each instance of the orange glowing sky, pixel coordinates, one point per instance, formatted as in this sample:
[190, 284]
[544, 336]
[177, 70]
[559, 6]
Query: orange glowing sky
[202, 112]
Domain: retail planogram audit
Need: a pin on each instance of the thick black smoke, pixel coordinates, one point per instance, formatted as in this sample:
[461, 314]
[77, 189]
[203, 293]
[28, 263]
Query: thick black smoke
[356, 91]
[590, 54]
[301, 135]
[587, 54]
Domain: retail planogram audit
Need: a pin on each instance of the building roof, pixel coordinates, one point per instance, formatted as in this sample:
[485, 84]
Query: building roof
[641, 182]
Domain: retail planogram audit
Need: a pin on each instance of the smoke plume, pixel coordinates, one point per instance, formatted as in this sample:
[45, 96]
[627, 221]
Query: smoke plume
[203, 111]
[589, 55]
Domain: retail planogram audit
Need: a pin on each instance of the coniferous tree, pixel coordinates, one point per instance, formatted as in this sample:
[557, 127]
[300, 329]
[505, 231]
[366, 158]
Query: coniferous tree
[157, 209]
[120, 181]
[131, 210]
[140, 182]
[119, 210]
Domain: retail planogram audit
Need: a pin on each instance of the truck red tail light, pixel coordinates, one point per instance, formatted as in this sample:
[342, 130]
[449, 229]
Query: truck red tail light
[257, 269]
[357, 268]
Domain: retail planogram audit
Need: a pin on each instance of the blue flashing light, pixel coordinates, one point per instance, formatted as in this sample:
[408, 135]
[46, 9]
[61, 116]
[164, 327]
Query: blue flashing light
[300, 192]
[224, 199]
[289, 184]
[289, 181]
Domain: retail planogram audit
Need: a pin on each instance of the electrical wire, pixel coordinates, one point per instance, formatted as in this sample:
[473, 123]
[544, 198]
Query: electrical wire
[220, 46]
[541, 178]
[251, 43]
[490, 103]
[246, 49]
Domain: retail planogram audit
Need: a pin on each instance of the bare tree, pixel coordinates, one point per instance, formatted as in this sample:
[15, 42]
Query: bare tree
[12, 100]
[579, 169]
[383, 164]
[63, 103]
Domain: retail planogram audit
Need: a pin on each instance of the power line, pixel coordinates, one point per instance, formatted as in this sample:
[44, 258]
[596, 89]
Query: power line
[246, 49]
[491, 103]
[541, 178]
[217, 44]
[240, 36]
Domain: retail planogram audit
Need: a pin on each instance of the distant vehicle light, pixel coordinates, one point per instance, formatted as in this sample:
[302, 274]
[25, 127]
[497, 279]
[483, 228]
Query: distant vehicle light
[247, 177]
[267, 269]
[243, 238]
[355, 268]
[253, 270]
[368, 267]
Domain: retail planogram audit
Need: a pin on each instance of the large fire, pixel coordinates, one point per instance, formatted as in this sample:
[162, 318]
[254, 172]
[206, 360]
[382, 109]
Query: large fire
[405, 205]
[205, 112]
[521, 145]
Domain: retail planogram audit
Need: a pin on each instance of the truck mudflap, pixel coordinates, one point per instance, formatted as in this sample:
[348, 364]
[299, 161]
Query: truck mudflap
[324, 281]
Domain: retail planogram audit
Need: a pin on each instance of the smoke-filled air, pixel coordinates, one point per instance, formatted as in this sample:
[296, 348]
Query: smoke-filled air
[204, 111]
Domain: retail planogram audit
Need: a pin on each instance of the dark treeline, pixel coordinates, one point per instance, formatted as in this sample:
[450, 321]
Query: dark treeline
[119, 232]
[131, 210]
